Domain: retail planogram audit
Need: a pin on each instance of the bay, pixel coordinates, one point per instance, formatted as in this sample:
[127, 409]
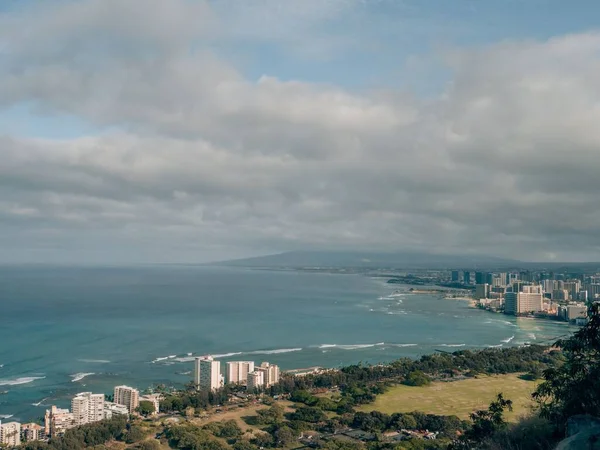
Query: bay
[65, 330]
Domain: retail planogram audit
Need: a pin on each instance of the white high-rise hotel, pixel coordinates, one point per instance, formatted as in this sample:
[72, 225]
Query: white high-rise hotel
[207, 373]
[237, 371]
[87, 408]
[127, 396]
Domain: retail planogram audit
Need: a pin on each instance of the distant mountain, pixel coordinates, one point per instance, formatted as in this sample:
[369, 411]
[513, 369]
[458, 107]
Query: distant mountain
[407, 260]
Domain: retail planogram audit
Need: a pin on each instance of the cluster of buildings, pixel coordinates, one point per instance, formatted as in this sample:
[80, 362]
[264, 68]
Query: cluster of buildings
[86, 407]
[208, 376]
[558, 296]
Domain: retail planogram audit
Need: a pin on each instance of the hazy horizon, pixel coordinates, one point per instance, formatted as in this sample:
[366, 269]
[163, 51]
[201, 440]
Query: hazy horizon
[193, 131]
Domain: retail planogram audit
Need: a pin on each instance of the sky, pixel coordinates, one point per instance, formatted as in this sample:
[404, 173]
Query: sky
[142, 131]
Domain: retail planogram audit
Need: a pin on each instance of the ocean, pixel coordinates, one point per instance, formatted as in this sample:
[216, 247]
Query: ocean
[67, 330]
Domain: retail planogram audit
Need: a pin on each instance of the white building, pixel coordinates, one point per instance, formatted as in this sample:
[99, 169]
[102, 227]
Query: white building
[10, 434]
[271, 373]
[87, 408]
[207, 373]
[154, 399]
[113, 409]
[256, 380]
[127, 396]
[57, 421]
[237, 371]
[530, 300]
[576, 311]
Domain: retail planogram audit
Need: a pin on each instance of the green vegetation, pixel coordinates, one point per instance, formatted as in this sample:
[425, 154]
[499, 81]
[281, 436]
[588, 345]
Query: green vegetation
[574, 387]
[417, 378]
[458, 398]
[91, 435]
[145, 408]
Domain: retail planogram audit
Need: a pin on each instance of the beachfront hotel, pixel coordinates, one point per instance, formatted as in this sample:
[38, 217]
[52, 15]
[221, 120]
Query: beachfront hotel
[207, 373]
[237, 371]
[256, 380]
[10, 434]
[57, 421]
[271, 373]
[87, 408]
[127, 396]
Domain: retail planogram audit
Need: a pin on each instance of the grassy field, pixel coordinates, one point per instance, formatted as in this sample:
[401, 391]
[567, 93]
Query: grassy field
[459, 397]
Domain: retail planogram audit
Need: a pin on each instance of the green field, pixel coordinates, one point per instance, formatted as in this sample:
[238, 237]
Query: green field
[458, 397]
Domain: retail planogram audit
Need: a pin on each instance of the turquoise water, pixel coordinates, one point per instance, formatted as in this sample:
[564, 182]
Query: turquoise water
[65, 330]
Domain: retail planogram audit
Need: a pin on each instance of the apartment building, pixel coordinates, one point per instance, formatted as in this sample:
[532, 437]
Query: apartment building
[127, 396]
[87, 408]
[10, 434]
[207, 373]
[237, 371]
[57, 421]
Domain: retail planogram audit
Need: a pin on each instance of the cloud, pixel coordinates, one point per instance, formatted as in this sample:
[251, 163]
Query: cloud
[201, 162]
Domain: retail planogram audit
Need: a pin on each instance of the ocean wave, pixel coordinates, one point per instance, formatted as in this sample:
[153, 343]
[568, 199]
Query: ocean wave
[452, 345]
[272, 352]
[184, 359]
[163, 358]
[397, 313]
[531, 336]
[507, 340]
[351, 346]
[40, 402]
[94, 361]
[20, 380]
[5, 416]
[80, 376]
[403, 345]
[228, 355]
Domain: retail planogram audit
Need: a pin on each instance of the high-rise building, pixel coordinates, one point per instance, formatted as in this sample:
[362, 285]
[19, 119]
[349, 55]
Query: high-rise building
[593, 290]
[479, 278]
[529, 300]
[237, 371]
[482, 291]
[10, 434]
[455, 275]
[87, 408]
[207, 373]
[127, 396]
[256, 380]
[57, 421]
[31, 432]
[573, 287]
[467, 277]
[271, 372]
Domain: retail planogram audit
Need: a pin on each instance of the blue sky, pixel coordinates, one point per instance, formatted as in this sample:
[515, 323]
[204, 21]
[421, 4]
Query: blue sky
[200, 130]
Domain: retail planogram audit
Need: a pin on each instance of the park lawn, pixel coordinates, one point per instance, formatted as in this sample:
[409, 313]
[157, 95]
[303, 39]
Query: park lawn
[458, 398]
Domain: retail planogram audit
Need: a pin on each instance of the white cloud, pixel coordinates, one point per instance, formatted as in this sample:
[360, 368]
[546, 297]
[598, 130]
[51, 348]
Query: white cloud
[208, 163]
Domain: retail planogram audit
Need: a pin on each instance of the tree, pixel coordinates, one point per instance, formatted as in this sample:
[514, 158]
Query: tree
[574, 387]
[134, 434]
[151, 444]
[263, 440]
[284, 436]
[145, 408]
[486, 423]
[417, 378]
